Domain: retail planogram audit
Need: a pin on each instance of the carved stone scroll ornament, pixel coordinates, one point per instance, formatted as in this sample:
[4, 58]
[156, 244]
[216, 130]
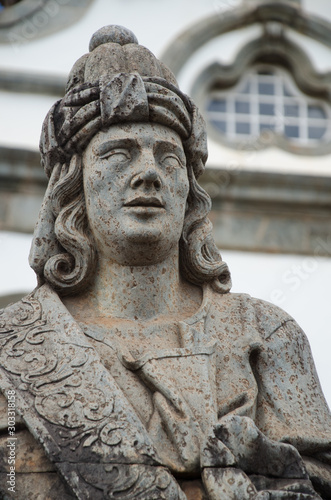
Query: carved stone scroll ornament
[134, 368]
[75, 407]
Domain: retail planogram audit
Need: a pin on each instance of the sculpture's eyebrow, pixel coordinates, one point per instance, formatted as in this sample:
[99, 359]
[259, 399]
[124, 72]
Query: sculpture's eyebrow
[106, 146]
[169, 143]
[127, 142]
[160, 143]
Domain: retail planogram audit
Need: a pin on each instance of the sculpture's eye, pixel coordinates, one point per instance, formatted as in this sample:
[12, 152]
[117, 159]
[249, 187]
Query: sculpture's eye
[116, 155]
[171, 161]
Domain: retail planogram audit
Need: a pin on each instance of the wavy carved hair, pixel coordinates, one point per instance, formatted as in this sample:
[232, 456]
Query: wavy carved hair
[73, 261]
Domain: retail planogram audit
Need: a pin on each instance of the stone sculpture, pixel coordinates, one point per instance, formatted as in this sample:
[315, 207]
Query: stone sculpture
[136, 374]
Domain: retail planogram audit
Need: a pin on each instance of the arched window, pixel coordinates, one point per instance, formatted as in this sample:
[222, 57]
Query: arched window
[268, 89]
[267, 101]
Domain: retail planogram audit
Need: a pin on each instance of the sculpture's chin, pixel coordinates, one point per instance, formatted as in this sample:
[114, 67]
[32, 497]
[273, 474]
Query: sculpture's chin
[147, 241]
[143, 251]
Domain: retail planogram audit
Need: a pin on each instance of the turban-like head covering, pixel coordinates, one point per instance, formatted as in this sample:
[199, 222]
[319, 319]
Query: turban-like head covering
[119, 81]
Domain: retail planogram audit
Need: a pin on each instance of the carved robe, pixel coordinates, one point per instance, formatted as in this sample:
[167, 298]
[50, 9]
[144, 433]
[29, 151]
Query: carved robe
[242, 362]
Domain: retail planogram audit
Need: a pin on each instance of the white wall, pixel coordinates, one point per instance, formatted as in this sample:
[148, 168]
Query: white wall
[154, 24]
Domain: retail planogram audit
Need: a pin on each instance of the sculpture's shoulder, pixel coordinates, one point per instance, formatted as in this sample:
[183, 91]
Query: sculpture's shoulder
[270, 317]
[20, 314]
[35, 475]
[12, 318]
[241, 308]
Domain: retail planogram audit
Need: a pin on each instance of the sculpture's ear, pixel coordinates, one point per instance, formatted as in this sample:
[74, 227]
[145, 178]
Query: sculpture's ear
[44, 243]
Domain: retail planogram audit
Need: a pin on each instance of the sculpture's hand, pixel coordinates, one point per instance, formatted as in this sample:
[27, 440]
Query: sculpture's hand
[255, 453]
[252, 466]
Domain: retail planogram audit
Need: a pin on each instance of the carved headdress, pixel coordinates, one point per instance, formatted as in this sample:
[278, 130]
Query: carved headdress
[118, 81]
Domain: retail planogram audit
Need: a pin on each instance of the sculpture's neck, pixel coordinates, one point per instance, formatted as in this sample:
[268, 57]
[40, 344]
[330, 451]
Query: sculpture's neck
[138, 292]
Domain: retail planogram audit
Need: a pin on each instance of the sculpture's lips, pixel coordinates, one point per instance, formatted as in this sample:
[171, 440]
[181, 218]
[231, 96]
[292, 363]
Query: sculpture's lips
[145, 201]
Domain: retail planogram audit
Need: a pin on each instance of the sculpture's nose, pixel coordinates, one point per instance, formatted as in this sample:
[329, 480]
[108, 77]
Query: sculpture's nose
[148, 178]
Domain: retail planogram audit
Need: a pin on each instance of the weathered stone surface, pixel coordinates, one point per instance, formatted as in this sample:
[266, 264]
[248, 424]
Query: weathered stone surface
[30, 456]
[36, 486]
[132, 365]
[193, 490]
[4, 415]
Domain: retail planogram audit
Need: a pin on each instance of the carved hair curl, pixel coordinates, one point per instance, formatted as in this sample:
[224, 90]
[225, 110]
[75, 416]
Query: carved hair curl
[200, 259]
[69, 271]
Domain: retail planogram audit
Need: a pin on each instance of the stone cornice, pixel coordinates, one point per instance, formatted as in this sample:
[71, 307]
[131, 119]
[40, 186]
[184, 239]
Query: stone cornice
[41, 84]
[288, 14]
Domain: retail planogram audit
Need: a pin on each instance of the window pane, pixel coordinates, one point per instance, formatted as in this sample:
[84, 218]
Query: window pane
[217, 105]
[292, 131]
[266, 109]
[242, 107]
[266, 88]
[243, 128]
[220, 125]
[291, 110]
[316, 112]
[316, 132]
[264, 95]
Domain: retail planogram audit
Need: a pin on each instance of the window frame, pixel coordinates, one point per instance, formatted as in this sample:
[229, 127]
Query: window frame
[278, 120]
[277, 52]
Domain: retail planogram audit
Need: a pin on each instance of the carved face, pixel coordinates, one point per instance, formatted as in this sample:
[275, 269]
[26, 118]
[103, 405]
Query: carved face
[136, 186]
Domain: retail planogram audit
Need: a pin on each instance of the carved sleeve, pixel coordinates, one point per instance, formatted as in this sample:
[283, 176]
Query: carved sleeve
[291, 407]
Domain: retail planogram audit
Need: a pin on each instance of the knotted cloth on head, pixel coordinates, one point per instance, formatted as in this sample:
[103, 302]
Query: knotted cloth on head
[119, 81]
